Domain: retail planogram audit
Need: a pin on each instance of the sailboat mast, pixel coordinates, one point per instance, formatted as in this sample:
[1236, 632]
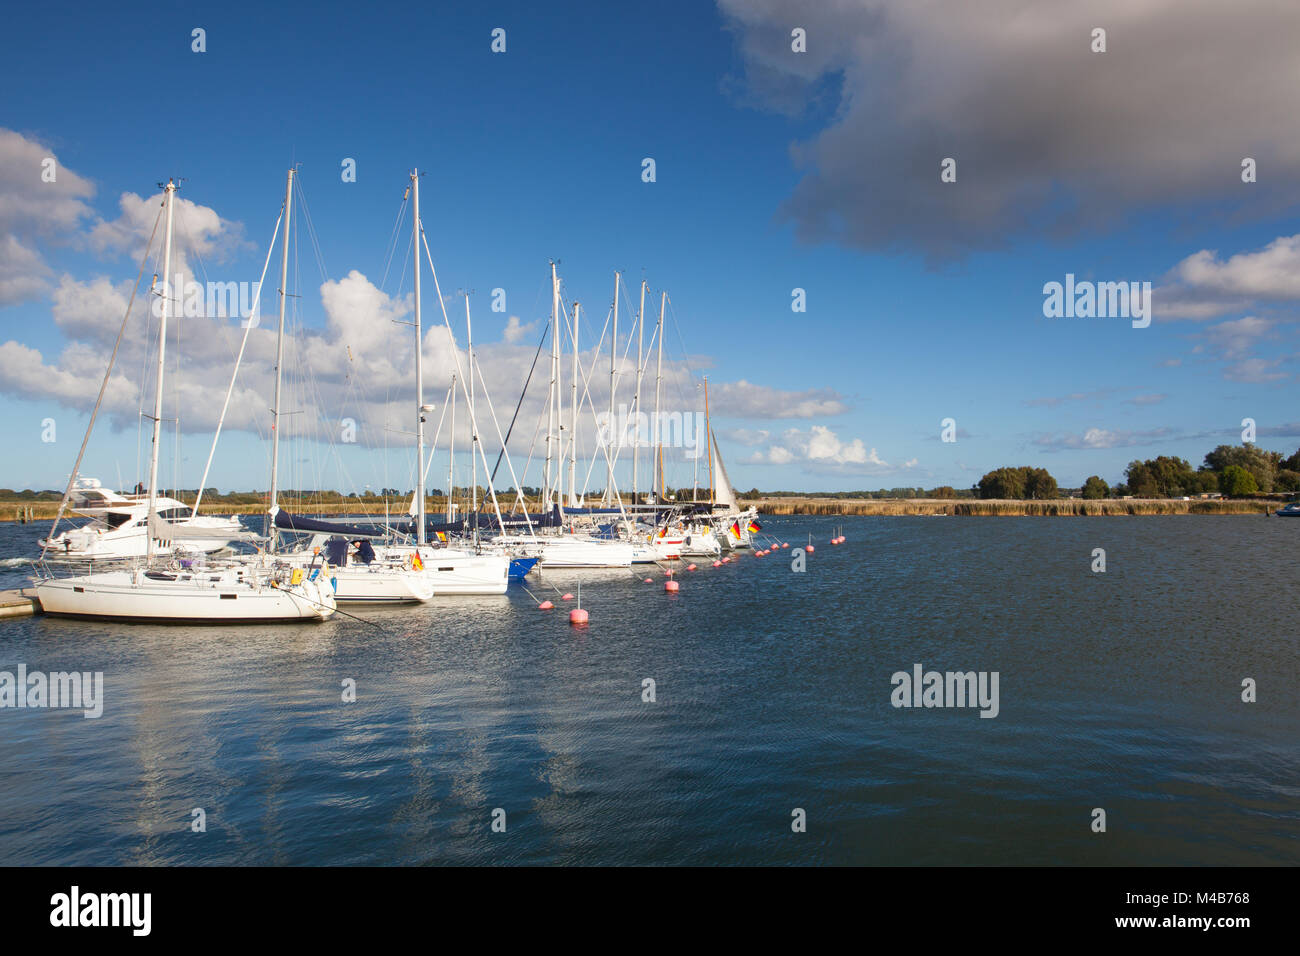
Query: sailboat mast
[451, 450]
[613, 359]
[708, 430]
[636, 405]
[573, 417]
[279, 364]
[473, 422]
[555, 369]
[168, 198]
[419, 365]
[659, 378]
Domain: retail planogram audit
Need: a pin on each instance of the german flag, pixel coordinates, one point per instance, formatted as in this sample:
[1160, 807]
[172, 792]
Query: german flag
[755, 527]
[416, 562]
[442, 536]
[734, 530]
[663, 531]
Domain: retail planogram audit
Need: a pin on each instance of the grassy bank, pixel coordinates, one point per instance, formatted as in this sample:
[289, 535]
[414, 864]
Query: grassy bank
[994, 507]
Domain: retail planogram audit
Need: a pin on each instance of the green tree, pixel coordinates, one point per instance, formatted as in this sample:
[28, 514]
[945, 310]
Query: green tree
[1237, 482]
[1003, 483]
[1095, 487]
[1040, 485]
[1263, 465]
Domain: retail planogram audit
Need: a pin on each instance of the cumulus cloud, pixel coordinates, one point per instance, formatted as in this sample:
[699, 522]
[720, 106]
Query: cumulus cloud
[820, 450]
[1046, 133]
[516, 331]
[1205, 286]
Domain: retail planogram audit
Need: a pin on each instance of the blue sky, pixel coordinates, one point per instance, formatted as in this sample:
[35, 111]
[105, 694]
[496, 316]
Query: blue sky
[773, 172]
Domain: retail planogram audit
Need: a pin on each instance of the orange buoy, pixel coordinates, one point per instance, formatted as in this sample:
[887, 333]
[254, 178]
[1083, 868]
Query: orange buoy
[578, 616]
[649, 581]
[785, 544]
[566, 597]
[671, 586]
[717, 564]
[810, 549]
[690, 567]
[545, 606]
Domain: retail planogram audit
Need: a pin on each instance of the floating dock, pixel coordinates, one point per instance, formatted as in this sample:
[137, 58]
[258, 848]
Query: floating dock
[18, 603]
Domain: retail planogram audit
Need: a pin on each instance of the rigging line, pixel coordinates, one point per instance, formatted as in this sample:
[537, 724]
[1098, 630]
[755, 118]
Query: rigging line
[392, 240]
[451, 335]
[311, 228]
[520, 403]
[72, 478]
[254, 310]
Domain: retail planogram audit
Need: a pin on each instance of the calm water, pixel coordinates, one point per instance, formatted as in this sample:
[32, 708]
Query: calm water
[1118, 690]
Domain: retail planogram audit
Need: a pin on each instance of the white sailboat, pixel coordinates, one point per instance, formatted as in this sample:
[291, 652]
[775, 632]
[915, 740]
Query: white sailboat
[450, 570]
[230, 595]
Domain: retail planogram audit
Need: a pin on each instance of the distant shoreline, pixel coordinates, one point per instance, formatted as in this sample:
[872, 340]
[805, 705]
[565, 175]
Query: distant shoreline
[11, 510]
[992, 507]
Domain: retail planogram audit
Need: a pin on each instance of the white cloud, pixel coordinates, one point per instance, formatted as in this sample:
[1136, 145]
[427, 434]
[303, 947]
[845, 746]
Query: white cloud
[516, 331]
[821, 450]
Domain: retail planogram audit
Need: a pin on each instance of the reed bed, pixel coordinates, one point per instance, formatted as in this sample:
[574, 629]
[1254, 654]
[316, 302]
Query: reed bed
[969, 507]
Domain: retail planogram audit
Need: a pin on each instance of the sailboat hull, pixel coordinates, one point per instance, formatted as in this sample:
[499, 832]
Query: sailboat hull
[129, 597]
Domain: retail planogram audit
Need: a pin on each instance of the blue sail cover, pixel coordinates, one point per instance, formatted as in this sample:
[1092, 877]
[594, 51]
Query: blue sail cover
[486, 521]
[307, 525]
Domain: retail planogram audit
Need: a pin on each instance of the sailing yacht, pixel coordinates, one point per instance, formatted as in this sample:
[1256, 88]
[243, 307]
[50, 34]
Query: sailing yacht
[183, 593]
[451, 570]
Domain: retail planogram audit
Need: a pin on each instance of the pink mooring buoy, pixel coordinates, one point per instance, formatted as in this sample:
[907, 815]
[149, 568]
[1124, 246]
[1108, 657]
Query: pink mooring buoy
[785, 544]
[717, 564]
[566, 597]
[545, 606]
[671, 586]
[810, 549]
[578, 616]
[649, 580]
[690, 567]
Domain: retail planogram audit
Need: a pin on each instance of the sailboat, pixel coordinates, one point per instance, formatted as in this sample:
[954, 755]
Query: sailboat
[186, 592]
[451, 570]
[357, 576]
[561, 548]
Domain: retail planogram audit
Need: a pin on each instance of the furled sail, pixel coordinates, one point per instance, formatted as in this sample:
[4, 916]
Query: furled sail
[161, 529]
